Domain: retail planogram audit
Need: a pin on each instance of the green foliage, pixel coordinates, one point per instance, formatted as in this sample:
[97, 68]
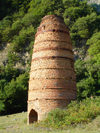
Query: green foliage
[55, 118]
[2, 106]
[71, 14]
[25, 36]
[88, 72]
[30, 19]
[86, 88]
[80, 69]
[71, 3]
[12, 58]
[84, 27]
[8, 73]
[2, 84]
[76, 112]
[14, 94]
[46, 7]
[88, 77]
[5, 29]
[94, 43]
[16, 26]
[75, 9]
[13, 86]
[15, 6]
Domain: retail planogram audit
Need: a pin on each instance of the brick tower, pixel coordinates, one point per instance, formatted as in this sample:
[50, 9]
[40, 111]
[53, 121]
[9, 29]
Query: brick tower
[52, 81]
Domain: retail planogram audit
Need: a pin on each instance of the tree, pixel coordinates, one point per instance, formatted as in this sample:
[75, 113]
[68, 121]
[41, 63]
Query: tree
[14, 95]
[94, 43]
[84, 27]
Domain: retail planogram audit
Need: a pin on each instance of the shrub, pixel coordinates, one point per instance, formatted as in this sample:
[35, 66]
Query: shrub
[76, 112]
[21, 41]
[14, 95]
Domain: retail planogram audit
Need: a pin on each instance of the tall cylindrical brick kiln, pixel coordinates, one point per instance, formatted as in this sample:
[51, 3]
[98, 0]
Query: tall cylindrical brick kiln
[52, 81]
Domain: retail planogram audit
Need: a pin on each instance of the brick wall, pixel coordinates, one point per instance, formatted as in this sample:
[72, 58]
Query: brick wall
[52, 81]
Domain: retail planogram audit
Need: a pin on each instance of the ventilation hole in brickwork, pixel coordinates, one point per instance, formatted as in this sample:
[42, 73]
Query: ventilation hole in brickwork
[43, 27]
[33, 116]
[54, 30]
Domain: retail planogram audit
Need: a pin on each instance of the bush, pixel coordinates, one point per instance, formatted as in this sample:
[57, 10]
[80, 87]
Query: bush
[76, 112]
[21, 41]
[5, 29]
[88, 75]
[13, 95]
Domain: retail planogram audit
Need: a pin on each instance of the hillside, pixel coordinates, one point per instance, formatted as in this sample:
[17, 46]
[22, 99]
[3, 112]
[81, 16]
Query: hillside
[18, 25]
[16, 123]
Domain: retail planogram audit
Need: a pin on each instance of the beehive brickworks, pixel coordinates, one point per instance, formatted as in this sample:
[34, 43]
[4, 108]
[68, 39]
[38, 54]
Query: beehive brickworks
[52, 81]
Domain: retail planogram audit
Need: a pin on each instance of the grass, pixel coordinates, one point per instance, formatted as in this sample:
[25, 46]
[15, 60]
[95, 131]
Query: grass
[17, 123]
[79, 117]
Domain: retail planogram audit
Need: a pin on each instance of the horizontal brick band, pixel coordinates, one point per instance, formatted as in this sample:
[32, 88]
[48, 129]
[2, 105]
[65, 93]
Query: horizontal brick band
[72, 70]
[53, 36]
[51, 30]
[53, 53]
[52, 57]
[52, 83]
[52, 25]
[52, 89]
[50, 41]
[54, 73]
[52, 44]
[51, 63]
[47, 99]
[51, 48]
[54, 98]
[36, 69]
[54, 94]
[51, 78]
[67, 79]
[56, 88]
